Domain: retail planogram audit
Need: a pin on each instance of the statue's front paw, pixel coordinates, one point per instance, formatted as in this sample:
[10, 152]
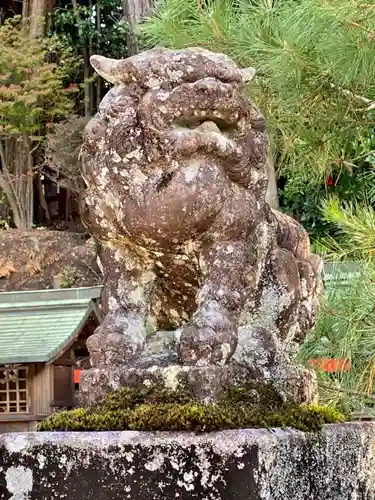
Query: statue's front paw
[205, 344]
[119, 340]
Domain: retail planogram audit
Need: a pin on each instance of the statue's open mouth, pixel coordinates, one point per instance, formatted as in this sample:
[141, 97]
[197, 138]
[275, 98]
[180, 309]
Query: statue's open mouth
[197, 134]
[206, 124]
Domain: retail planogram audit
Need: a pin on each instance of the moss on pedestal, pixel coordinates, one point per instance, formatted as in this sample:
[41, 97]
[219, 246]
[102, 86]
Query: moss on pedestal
[158, 409]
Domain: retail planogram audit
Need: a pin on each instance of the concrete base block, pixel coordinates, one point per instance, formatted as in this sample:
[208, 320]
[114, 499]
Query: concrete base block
[251, 464]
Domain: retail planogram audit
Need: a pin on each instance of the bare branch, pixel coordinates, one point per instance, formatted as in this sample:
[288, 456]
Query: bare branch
[370, 104]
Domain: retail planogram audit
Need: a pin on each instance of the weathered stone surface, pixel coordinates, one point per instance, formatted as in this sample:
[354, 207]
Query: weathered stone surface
[336, 464]
[205, 382]
[175, 168]
[257, 356]
[31, 260]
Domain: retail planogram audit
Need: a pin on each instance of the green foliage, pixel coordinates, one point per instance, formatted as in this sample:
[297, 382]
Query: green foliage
[34, 75]
[305, 206]
[345, 329]
[100, 26]
[32, 89]
[63, 144]
[350, 212]
[157, 409]
[355, 230]
[69, 276]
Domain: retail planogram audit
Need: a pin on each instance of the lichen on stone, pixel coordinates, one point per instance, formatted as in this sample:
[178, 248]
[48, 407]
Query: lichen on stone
[160, 409]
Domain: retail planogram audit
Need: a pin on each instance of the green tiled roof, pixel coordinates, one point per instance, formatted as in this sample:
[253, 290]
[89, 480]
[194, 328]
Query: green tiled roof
[36, 326]
[341, 271]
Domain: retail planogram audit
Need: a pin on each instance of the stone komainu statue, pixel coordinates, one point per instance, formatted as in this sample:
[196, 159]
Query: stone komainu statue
[175, 168]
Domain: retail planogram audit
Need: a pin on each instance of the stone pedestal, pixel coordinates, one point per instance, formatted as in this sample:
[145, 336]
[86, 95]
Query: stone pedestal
[253, 360]
[204, 382]
[336, 464]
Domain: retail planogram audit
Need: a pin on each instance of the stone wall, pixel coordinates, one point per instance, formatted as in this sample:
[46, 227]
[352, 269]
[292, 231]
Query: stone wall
[335, 464]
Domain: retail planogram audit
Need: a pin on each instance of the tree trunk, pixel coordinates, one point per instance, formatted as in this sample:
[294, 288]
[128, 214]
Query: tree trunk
[86, 65]
[16, 179]
[98, 28]
[134, 12]
[26, 10]
[86, 78]
[50, 6]
[90, 84]
[42, 197]
[37, 16]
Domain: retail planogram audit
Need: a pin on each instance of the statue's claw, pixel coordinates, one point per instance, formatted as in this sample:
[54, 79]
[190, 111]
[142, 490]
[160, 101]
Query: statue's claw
[205, 341]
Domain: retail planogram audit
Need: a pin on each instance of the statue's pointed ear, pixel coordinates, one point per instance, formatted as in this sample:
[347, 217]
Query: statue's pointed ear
[248, 74]
[105, 67]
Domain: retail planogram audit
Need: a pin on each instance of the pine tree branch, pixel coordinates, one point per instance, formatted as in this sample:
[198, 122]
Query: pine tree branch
[361, 99]
[370, 33]
[348, 391]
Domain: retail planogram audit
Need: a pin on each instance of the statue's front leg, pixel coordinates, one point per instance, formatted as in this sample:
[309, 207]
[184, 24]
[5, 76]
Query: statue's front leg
[129, 280]
[210, 337]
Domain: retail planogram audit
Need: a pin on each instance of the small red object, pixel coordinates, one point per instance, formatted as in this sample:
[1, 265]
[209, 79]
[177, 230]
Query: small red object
[77, 374]
[331, 365]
